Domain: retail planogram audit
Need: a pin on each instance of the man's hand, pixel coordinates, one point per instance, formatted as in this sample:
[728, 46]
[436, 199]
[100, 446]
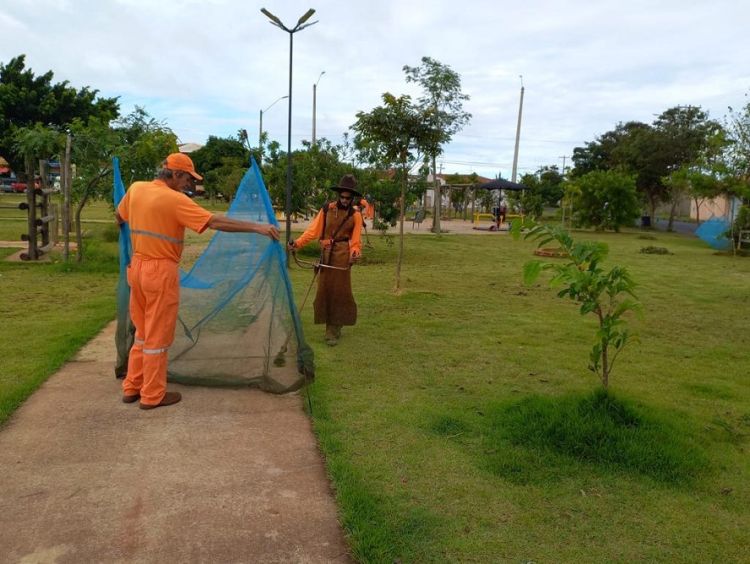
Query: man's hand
[290, 244]
[271, 232]
[354, 258]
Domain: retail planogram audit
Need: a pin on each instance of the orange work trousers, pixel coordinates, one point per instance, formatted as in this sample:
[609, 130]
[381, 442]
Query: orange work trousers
[154, 301]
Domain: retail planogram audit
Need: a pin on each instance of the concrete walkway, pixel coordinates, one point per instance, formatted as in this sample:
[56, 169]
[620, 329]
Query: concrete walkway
[224, 476]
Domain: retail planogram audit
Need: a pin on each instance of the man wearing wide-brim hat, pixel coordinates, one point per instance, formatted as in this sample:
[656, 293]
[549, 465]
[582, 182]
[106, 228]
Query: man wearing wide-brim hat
[338, 228]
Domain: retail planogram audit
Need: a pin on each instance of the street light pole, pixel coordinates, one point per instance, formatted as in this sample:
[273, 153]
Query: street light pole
[315, 88]
[299, 27]
[260, 127]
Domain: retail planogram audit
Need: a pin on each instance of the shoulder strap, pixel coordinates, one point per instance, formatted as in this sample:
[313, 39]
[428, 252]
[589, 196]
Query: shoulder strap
[324, 209]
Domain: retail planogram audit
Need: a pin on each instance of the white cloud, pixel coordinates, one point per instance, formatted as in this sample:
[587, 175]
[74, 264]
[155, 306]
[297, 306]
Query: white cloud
[208, 66]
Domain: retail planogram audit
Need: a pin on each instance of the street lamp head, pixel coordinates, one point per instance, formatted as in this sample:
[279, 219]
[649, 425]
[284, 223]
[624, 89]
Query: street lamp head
[307, 15]
[279, 99]
[319, 77]
[274, 20]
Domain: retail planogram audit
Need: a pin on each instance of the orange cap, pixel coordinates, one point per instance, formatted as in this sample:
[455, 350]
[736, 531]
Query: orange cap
[180, 161]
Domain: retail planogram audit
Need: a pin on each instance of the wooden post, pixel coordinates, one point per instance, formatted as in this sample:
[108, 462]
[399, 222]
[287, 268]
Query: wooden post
[31, 202]
[55, 224]
[44, 185]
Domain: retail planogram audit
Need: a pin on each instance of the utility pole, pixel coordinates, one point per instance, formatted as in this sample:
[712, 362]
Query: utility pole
[315, 89]
[518, 133]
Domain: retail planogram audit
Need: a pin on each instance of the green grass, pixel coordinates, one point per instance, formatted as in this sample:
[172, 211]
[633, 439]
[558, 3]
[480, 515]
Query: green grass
[458, 419]
[597, 429]
[457, 409]
[50, 310]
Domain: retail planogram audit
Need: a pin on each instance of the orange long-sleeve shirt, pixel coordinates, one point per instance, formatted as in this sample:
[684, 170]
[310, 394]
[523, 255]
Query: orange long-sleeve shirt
[158, 216]
[315, 230]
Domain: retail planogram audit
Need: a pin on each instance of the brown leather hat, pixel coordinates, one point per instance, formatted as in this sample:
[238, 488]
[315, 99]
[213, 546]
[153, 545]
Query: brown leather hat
[347, 184]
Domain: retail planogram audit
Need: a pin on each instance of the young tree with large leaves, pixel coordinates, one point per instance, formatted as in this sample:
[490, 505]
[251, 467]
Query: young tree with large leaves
[442, 105]
[608, 295]
[394, 134]
[27, 100]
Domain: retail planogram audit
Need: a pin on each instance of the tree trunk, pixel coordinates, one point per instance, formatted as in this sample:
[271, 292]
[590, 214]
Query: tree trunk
[79, 209]
[697, 211]
[401, 228]
[66, 182]
[652, 210]
[672, 212]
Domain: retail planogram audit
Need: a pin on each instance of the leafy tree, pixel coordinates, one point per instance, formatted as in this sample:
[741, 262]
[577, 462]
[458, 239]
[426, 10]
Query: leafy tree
[395, 133]
[140, 141]
[737, 162]
[222, 162]
[736, 156]
[550, 185]
[651, 153]
[528, 202]
[442, 105]
[26, 99]
[630, 148]
[608, 295]
[316, 168]
[690, 140]
[34, 143]
[604, 200]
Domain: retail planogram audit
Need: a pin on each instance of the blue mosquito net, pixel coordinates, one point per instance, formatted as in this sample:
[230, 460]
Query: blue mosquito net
[714, 232]
[238, 324]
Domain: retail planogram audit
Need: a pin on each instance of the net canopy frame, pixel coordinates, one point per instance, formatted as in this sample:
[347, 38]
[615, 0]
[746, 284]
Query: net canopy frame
[238, 324]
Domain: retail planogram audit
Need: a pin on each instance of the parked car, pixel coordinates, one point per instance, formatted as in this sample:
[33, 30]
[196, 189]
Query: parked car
[6, 185]
[20, 187]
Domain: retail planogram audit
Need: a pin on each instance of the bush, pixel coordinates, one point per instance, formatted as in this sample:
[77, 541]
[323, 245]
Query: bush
[741, 222]
[651, 250]
[605, 200]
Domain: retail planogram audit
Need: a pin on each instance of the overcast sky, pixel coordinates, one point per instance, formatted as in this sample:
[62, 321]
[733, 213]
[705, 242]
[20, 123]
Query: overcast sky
[208, 67]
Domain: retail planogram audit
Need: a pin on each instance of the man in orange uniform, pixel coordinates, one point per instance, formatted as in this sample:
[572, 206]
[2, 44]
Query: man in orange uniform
[338, 227]
[158, 213]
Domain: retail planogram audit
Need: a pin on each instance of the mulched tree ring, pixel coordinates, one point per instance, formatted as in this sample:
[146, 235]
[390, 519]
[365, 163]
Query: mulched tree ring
[550, 253]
